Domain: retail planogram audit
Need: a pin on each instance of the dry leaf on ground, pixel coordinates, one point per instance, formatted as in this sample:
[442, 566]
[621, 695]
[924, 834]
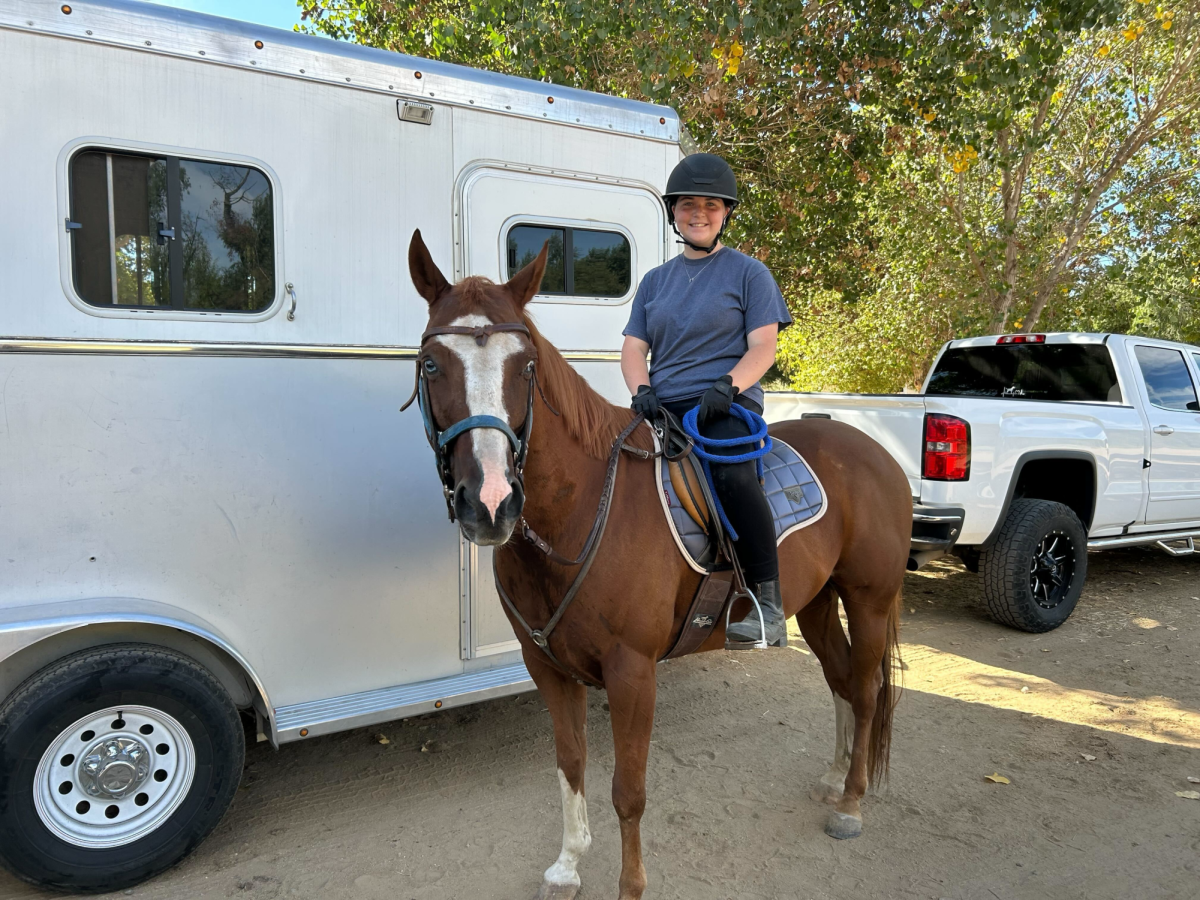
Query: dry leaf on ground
[382, 738]
[1087, 756]
[1188, 795]
[1193, 779]
[996, 778]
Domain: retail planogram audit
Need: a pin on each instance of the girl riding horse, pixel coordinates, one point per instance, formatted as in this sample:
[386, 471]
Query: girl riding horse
[482, 371]
[710, 319]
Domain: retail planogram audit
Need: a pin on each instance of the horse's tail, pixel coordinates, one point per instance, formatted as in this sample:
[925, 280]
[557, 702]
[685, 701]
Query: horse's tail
[880, 749]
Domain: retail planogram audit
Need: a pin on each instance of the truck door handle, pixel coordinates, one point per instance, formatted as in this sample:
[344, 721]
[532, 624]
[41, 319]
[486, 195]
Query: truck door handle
[1164, 429]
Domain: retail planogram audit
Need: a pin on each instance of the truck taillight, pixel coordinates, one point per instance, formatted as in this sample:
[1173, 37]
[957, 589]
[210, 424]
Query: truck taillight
[1021, 339]
[947, 455]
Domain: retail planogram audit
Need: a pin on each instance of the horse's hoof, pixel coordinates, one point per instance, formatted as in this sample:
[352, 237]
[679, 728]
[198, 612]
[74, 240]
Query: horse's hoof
[550, 891]
[825, 793]
[843, 827]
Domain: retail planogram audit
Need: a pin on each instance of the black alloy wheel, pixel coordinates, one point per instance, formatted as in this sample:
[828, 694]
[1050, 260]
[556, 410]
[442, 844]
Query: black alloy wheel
[1052, 570]
[1033, 573]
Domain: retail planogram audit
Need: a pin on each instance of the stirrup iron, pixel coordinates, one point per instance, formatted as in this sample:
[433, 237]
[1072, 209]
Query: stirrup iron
[761, 643]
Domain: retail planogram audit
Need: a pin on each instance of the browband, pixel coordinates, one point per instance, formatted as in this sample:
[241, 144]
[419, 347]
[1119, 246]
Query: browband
[480, 332]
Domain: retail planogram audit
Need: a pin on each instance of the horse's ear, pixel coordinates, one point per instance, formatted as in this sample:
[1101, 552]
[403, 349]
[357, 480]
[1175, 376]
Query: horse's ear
[426, 276]
[525, 283]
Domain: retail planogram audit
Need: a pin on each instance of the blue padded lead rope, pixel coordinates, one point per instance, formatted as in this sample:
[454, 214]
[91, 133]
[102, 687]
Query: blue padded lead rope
[758, 427]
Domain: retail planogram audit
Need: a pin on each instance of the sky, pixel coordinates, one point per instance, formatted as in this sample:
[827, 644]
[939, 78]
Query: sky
[276, 13]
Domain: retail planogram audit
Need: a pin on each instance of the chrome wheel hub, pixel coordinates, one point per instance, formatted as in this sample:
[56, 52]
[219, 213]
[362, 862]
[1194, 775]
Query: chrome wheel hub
[114, 768]
[114, 776]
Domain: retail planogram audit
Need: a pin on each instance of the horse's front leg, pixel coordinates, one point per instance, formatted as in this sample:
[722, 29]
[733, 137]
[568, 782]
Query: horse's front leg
[630, 682]
[567, 701]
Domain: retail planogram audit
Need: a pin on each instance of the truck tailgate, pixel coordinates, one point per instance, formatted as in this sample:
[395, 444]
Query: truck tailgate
[895, 420]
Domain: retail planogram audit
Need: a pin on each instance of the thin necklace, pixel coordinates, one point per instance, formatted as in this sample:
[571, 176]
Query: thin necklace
[699, 268]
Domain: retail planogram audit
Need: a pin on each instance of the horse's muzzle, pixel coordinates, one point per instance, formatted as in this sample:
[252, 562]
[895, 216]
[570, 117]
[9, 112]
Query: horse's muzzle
[477, 523]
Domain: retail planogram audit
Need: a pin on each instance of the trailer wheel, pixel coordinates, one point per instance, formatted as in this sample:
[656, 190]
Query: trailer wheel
[115, 763]
[1033, 574]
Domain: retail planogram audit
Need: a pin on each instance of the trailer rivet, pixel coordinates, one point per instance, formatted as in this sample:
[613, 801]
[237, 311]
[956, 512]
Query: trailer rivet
[66, 9]
[416, 74]
[303, 732]
[202, 53]
[89, 31]
[148, 44]
[437, 704]
[258, 45]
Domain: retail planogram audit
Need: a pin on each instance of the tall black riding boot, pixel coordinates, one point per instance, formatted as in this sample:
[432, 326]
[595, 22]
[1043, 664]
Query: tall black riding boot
[747, 631]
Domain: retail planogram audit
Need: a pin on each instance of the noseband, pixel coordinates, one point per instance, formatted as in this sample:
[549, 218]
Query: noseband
[440, 441]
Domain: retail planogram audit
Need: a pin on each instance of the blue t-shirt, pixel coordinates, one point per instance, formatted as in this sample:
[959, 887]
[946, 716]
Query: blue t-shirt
[695, 315]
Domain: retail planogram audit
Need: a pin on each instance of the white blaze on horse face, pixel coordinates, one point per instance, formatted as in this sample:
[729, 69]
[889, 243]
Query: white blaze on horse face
[576, 836]
[483, 368]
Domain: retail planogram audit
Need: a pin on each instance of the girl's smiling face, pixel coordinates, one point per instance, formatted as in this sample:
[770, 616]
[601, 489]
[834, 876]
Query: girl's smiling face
[699, 219]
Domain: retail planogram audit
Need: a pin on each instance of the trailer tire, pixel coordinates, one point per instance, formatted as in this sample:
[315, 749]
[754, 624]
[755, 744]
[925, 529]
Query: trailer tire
[115, 763]
[1034, 572]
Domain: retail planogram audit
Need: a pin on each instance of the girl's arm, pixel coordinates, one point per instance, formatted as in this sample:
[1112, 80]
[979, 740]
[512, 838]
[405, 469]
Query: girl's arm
[633, 363]
[760, 356]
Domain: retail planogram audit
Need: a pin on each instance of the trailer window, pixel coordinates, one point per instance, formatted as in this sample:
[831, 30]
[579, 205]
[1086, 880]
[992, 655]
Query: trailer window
[583, 262]
[1081, 372]
[1168, 381]
[162, 231]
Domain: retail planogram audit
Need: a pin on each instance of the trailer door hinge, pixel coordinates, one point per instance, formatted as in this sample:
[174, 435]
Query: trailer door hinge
[1145, 463]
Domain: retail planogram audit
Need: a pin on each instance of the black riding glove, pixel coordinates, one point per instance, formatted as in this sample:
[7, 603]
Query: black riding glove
[645, 401]
[717, 400]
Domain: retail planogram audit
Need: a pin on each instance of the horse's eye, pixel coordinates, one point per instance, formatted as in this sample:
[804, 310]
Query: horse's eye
[430, 366]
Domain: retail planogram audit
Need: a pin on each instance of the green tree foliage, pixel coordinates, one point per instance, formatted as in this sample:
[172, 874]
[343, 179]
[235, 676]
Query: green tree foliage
[912, 170]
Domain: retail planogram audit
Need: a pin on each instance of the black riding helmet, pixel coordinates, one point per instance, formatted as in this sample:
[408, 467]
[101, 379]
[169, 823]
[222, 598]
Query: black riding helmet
[701, 175]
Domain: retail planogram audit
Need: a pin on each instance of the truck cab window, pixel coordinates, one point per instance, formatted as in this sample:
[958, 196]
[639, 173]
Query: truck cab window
[583, 262]
[1168, 381]
[151, 231]
[1080, 372]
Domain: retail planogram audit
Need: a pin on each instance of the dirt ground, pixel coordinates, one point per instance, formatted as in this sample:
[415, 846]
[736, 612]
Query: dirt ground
[1097, 726]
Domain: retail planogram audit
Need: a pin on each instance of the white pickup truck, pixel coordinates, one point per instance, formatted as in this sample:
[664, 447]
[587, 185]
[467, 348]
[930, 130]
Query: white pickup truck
[1025, 451]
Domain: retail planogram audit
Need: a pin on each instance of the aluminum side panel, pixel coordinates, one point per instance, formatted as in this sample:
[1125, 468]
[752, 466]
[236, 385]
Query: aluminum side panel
[284, 501]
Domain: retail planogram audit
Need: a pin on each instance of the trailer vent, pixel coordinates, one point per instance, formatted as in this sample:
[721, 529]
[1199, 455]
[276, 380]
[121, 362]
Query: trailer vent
[411, 111]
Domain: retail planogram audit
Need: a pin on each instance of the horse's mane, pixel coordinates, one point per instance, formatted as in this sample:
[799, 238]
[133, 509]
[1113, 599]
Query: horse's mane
[588, 417]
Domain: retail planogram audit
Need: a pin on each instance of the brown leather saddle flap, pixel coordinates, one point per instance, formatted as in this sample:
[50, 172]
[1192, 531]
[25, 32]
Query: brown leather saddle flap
[687, 487]
[706, 610]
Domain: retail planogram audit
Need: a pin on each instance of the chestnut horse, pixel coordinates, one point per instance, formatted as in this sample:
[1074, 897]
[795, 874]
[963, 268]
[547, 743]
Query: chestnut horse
[480, 362]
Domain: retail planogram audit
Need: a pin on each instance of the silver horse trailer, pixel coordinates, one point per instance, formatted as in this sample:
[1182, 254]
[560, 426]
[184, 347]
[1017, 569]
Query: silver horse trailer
[209, 501]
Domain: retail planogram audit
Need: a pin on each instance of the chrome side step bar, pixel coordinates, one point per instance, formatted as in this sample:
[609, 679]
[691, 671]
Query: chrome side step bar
[305, 720]
[1162, 540]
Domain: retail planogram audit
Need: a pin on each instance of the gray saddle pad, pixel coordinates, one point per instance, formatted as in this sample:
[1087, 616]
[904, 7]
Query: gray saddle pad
[796, 497]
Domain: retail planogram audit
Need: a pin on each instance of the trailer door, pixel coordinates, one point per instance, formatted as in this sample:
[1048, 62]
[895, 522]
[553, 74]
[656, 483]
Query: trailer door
[604, 235]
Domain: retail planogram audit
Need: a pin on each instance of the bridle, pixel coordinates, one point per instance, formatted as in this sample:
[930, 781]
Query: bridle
[440, 441]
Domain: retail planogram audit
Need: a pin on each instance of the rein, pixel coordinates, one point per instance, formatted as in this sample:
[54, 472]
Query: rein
[541, 636]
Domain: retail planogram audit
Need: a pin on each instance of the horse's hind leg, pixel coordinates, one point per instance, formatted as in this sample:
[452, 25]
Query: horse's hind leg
[822, 630]
[872, 630]
[567, 701]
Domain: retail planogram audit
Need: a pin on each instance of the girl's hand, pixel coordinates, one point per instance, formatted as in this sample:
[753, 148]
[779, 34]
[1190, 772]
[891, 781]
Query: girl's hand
[645, 401]
[716, 400]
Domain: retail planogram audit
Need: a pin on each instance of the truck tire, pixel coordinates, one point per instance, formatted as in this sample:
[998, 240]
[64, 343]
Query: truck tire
[115, 763]
[1034, 572]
